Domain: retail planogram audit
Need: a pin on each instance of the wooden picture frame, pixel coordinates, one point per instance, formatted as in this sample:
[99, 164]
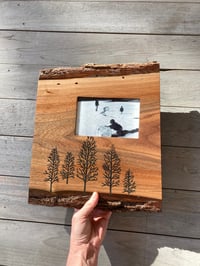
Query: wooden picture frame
[123, 164]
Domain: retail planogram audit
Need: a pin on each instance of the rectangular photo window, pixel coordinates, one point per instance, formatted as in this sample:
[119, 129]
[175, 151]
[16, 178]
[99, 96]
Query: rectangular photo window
[108, 117]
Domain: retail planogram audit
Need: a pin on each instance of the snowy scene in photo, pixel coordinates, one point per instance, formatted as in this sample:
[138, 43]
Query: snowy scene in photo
[108, 117]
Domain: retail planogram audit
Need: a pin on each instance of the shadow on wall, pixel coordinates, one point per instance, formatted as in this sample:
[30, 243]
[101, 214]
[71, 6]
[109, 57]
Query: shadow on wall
[181, 150]
[181, 129]
[133, 239]
[137, 249]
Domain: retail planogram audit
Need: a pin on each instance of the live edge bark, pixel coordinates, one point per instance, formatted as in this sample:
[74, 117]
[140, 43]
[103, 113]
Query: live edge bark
[93, 70]
[105, 202]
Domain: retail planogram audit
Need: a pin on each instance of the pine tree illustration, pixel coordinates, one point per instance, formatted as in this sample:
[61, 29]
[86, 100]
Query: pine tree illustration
[129, 182]
[52, 168]
[111, 169]
[68, 167]
[87, 170]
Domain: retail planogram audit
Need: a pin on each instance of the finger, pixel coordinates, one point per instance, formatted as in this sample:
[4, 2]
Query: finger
[76, 210]
[108, 215]
[103, 225]
[89, 206]
[101, 214]
[105, 220]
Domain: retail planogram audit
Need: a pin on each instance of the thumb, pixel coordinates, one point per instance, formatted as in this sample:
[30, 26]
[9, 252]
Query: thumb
[89, 205]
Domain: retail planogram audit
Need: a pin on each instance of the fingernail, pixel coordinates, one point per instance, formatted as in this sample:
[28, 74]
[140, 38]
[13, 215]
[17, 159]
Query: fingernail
[93, 195]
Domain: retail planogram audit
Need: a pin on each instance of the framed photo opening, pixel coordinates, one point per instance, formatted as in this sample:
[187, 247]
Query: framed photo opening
[108, 117]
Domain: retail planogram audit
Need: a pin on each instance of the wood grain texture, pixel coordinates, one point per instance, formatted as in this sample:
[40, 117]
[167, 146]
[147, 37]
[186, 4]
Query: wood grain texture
[181, 129]
[21, 83]
[73, 49]
[176, 206]
[55, 127]
[135, 17]
[24, 53]
[180, 168]
[18, 118]
[15, 155]
[180, 165]
[180, 89]
[94, 70]
[179, 126]
[40, 247]
[48, 245]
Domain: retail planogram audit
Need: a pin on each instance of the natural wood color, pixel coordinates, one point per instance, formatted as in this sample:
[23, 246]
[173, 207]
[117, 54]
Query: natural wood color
[75, 49]
[180, 165]
[14, 194]
[135, 17]
[19, 114]
[21, 83]
[52, 117]
[77, 199]
[24, 53]
[93, 70]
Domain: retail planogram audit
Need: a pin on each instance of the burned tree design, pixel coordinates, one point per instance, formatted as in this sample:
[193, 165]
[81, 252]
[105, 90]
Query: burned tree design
[111, 169]
[68, 167]
[87, 170]
[52, 168]
[129, 182]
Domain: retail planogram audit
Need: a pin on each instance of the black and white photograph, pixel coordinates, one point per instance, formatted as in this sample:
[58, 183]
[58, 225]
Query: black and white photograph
[108, 117]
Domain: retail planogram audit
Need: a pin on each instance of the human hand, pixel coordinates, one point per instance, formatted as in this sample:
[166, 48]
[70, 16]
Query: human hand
[88, 230]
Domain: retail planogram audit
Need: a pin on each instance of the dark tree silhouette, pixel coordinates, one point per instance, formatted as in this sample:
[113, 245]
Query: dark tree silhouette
[111, 169]
[68, 167]
[87, 169]
[129, 183]
[52, 168]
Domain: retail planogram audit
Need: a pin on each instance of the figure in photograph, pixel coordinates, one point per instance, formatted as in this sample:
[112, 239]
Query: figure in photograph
[97, 105]
[119, 129]
[121, 109]
[105, 110]
[115, 126]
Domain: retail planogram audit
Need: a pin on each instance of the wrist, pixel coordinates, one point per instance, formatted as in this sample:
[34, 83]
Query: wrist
[82, 255]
